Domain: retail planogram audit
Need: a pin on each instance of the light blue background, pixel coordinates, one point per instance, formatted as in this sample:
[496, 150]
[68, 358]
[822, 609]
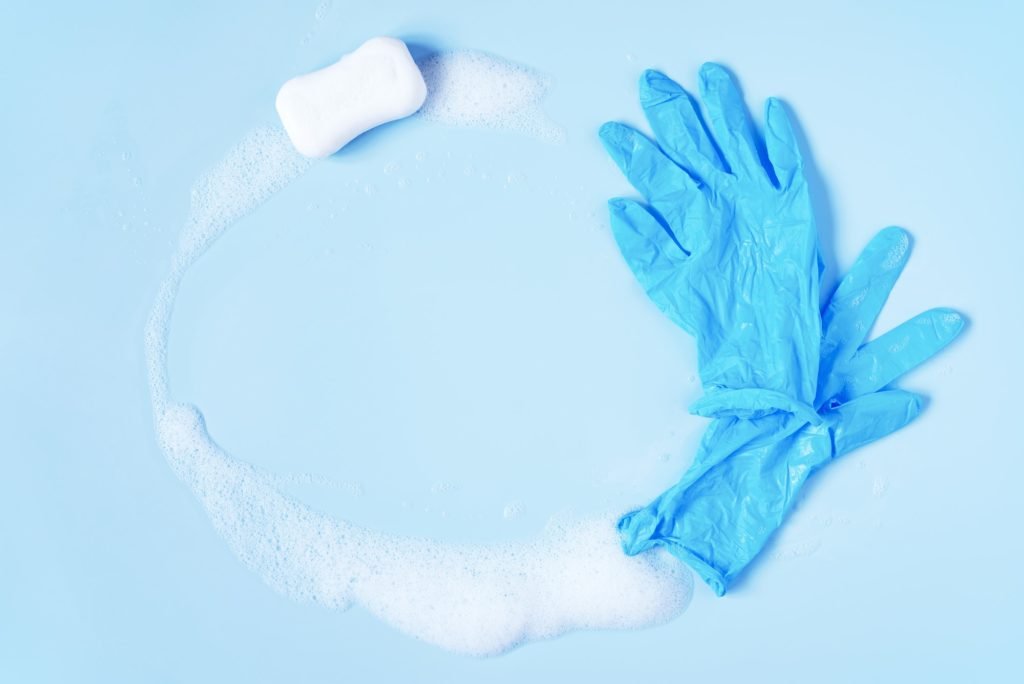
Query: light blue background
[467, 342]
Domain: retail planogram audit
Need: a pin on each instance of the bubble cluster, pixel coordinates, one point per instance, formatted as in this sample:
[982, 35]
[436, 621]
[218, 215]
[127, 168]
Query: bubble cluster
[474, 89]
[895, 257]
[263, 163]
[469, 598]
[475, 599]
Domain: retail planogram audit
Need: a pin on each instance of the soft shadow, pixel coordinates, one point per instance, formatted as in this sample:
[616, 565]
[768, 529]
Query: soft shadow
[355, 148]
[421, 47]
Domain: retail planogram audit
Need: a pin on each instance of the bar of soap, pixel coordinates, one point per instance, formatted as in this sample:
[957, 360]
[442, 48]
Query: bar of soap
[324, 110]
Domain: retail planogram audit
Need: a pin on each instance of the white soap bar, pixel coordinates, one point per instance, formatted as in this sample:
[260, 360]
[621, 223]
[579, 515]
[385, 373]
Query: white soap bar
[322, 111]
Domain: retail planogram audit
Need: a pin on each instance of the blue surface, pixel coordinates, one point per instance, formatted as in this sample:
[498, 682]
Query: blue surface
[345, 334]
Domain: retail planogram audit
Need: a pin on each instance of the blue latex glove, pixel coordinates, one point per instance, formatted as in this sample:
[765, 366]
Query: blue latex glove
[727, 243]
[748, 473]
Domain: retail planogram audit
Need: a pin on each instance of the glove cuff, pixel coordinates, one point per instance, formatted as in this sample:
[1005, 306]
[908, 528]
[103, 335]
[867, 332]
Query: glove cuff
[752, 403]
[637, 538]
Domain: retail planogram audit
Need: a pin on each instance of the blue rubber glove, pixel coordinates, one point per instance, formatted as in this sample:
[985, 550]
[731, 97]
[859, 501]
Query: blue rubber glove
[727, 243]
[748, 473]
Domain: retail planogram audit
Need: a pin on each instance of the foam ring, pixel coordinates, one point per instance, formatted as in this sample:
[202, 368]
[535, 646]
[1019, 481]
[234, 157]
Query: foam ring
[480, 599]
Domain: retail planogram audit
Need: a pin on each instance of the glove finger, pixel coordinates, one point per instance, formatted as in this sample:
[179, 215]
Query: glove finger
[652, 254]
[856, 303]
[783, 151]
[734, 132]
[653, 174]
[872, 417]
[677, 125]
[900, 350]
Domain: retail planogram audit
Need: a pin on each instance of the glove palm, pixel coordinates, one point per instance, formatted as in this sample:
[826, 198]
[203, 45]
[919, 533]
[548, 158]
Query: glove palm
[724, 246]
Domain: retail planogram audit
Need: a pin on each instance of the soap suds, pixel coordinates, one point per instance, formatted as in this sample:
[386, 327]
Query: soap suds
[895, 257]
[879, 487]
[263, 163]
[474, 599]
[473, 89]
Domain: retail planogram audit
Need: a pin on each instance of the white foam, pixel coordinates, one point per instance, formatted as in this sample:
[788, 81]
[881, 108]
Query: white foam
[260, 165]
[263, 163]
[324, 110]
[474, 89]
[477, 599]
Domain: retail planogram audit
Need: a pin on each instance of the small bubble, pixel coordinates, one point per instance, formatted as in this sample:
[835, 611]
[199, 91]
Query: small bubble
[512, 510]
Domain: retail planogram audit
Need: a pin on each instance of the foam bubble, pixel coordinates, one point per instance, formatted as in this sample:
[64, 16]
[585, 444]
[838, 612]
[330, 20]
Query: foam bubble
[470, 598]
[476, 599]
[474, 89]
[897, 251]
[512, 510]
[263, 163]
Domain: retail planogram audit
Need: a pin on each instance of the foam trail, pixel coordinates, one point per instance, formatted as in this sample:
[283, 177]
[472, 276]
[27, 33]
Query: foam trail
[260, 165]
[476, 599]
[473, 89]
